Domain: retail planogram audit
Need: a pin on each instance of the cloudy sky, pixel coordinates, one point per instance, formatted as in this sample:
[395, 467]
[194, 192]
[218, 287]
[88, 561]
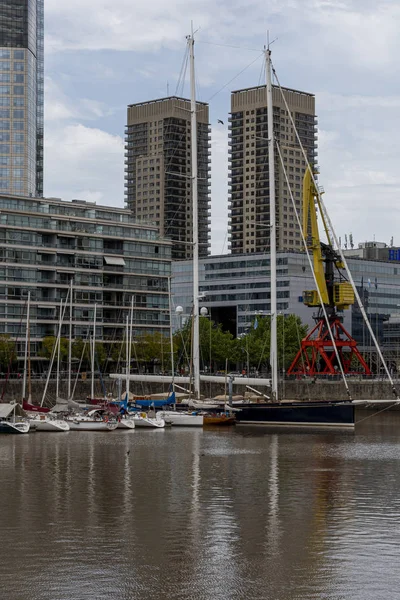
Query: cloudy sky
[102, 55]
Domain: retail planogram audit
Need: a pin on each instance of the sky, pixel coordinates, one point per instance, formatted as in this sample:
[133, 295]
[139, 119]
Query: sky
[101, 56]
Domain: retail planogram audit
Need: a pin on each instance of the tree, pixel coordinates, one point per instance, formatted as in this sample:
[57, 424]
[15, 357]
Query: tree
[216, 345]
[48, 344]
[77, 350]
[254, 347]
[151, 349]
[7, 351]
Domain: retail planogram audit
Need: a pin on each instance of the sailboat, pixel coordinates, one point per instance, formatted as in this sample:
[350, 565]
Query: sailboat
[13, 419]
[339, 414]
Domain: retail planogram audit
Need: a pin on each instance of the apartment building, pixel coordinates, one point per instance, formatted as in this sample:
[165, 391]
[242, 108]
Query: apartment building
[21, 97]
[249, 171]
[158, 170]
[110, 258]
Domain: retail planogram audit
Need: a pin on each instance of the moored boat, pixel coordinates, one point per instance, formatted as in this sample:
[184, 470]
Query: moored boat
[181, 418]
[143, 420]
[49, 423]
[219, 419]
[13, 419]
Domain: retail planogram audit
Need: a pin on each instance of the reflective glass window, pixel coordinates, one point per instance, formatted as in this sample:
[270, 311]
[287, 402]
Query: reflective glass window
[18, 173]
[18, 77]
[4, 160]
[18, 125]
[5, 77]
[4, 137]
[18, 113]
[18, 160]
[5, 125]
[4, 101]
[4, 113]
[18, 137]
[18, 101]
[18, 54]
[4, 149]
[18, 149]
[19, 66]
[5, 53]
[4, 90]
[4, 172]
[18, 90]
[5, 65]
[4, 184]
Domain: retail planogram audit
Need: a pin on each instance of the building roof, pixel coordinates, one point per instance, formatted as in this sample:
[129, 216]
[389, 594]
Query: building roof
[165, 100]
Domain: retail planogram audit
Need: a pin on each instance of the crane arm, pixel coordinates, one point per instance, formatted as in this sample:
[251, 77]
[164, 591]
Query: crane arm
[311, 234]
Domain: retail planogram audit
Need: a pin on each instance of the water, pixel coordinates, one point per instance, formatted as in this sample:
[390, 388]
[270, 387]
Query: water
[201, 515]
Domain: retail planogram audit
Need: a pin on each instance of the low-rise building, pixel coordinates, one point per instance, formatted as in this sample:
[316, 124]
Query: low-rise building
[236, 288]
[110, 258]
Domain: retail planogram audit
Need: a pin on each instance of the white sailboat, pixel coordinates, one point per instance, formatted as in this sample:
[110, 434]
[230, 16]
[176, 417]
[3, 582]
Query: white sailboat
[13, 419]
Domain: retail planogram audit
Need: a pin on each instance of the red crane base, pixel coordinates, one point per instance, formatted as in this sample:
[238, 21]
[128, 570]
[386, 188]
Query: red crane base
[317, 355]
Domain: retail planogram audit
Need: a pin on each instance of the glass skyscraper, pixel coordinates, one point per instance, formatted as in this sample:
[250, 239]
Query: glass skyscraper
[21, 97]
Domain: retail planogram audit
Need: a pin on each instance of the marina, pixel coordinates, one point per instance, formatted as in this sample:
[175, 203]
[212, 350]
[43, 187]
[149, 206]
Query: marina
[116, 516]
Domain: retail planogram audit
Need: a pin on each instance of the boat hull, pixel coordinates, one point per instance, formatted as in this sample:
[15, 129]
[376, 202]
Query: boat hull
[179, 419]
[50, 425]
[92, 426]
[298, 414]
[16, 428]
[126, 424]
[220, 420]
[149, 423]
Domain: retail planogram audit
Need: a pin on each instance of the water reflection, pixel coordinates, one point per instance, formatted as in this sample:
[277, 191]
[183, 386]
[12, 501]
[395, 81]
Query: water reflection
[201, 514]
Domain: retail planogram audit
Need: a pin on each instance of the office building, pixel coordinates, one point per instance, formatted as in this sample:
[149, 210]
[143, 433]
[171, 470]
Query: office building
[235, 288]
[249, 171]
[158, 170]
[21, 97]
[45, 243]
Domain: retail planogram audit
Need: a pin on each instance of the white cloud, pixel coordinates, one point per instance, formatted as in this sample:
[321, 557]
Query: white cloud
[85, 163]
[60, 107]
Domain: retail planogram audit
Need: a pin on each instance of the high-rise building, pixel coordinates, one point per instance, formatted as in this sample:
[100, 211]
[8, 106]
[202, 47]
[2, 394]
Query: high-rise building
[249, 171]
[158, 170]
[21, 97]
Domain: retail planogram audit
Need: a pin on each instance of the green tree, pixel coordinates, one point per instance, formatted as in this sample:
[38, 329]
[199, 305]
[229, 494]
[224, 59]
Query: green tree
[216, 345]
[150, 349]
[7, 351]
[79, 347]
[254, 347]
[48, 344]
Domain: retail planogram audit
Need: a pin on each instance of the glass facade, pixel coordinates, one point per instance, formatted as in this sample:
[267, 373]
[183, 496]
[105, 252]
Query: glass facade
[21, 96]
[44, 243]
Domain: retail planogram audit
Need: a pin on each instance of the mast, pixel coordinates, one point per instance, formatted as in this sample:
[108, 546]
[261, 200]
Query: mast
[58, 351]
[171, 339]
[70, 341]
[93, 350]
[26, 347]
[127, 357]
[272, 222]
[193, 129]
[129, 348]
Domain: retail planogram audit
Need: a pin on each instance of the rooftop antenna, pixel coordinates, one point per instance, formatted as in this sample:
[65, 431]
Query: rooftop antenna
[167, 88]
[351, 241]
[345, 240]
[391, 242]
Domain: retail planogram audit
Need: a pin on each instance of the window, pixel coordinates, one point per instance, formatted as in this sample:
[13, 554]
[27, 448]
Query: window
[18, 173]
[4, 161]
[18, 90]
[5, 125]
[4, 113]
[17, 114]
[18, 161]
[5, 77]
[18, 54]
[4, 137]
[18, 125]
[4, 101]
[5, 90]
[4, 149]
[18, 78]
[4, 184]
[18, 137]
[4, 172]
[18, 149]
[19, 66]
[17, 101]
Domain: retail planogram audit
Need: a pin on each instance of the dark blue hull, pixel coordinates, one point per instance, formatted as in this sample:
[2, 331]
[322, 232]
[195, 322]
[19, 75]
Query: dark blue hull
[300, 414]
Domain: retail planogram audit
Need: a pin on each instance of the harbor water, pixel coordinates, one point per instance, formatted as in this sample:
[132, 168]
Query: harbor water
[202, 514]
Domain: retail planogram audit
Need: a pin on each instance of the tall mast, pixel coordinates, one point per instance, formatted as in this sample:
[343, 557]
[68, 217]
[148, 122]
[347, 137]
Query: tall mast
[58, 342]
[193, 130]
[272, 223]
[171, 339]
[128, 369]
[130, 343]
[70, 341]
[26, 348]
[93, 349]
